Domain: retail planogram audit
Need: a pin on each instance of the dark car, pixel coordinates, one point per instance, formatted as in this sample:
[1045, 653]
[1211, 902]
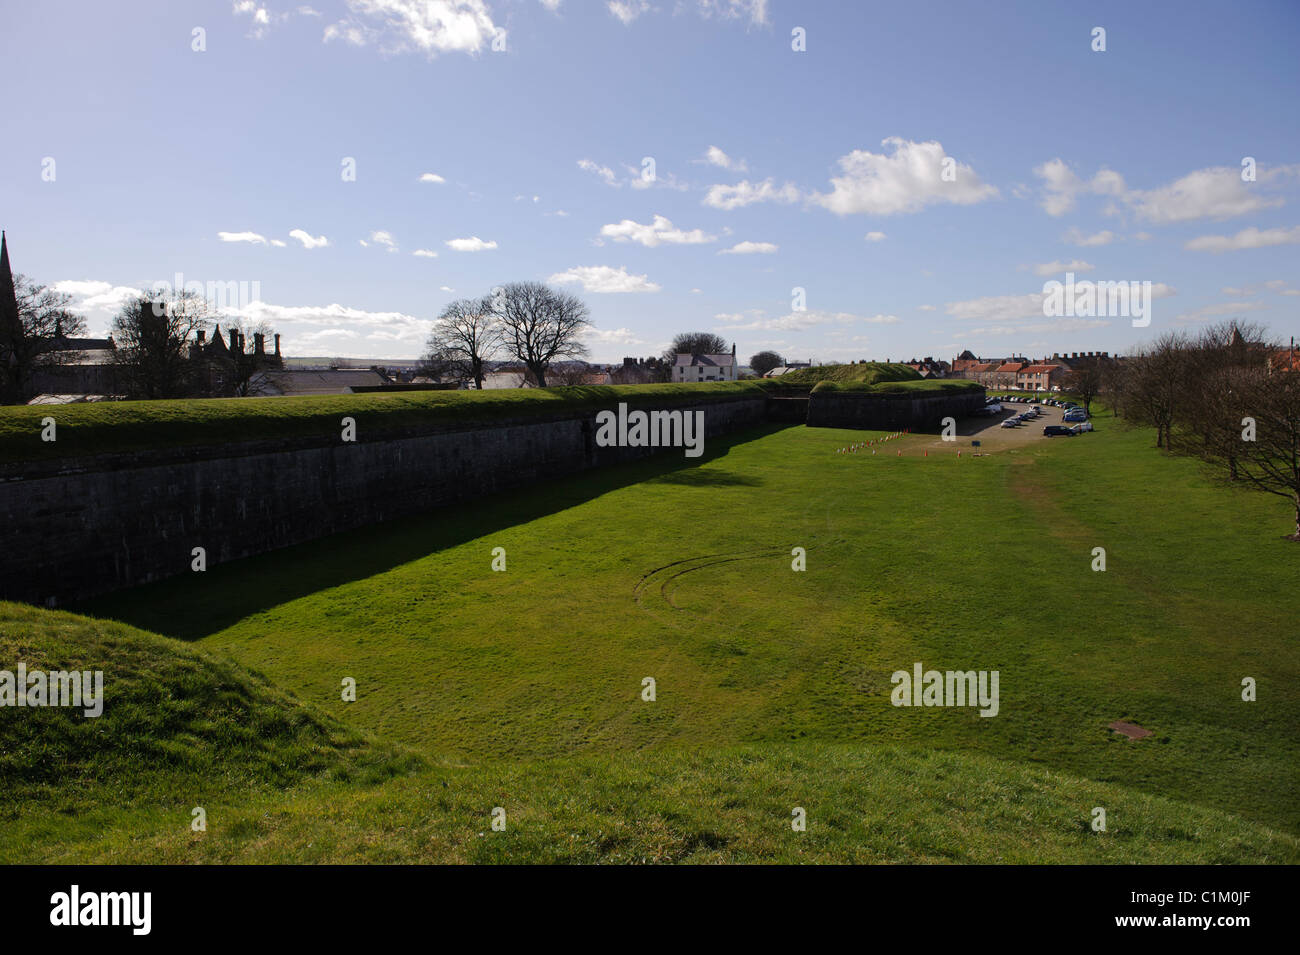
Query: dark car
[1058, 431]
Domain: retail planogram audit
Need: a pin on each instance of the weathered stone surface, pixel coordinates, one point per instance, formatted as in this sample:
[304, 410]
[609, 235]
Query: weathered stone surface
[74, 528]
[889, 413]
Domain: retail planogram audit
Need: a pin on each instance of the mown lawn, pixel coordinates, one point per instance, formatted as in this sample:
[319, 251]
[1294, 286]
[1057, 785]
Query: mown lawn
[681, 571]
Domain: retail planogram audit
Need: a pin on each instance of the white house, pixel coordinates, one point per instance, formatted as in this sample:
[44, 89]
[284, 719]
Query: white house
[689, 368]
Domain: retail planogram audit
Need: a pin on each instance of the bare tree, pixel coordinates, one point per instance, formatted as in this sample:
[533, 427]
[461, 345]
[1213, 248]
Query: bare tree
[696, 343]
[241, 364]
[569, 373]
[1255, 440]
[153, 337]
[1216, 385]
[1152, 381]
[539, 325]
[465, 337]
[765, 361]
[34, 342]
[1085, 380]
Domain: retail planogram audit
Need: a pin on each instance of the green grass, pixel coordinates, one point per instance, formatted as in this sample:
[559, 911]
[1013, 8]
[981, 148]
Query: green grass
[175, 718]
[916, 388]
[863, 805]
[863, 373]
[128, 426]
[281, 781]
[521, 684]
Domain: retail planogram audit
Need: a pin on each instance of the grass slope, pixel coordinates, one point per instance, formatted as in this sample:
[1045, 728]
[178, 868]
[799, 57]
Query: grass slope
[864, 805]
[177, 723]
[87, 429]
[864, 373]
[681, 571]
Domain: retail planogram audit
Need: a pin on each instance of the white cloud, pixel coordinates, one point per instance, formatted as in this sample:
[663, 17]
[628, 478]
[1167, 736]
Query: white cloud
[1062, 186]
[1216, 193]
[552, 5]
[658, 232]
[906, 181]
[427, 26]
[278, 243]
[604, 278]
[1207, 312]
[750, 248]
[425, 253]
[605, 174]
[636, 177]
[875, 237]
[1015, 308]
[716, 157]
[1076, 237]
[745, 193]
[1056, 268]
[252, 237]
[382, 238]
[97, 301]
[432, 177]
[612, 336]
[1057, 326]
[1213, 193]
[753, 10]
[925, 308]
[1251, 238]
[471, 244]
[307, 240]
[798, 321]
[340, 330]
[261, 16]
[628, 10]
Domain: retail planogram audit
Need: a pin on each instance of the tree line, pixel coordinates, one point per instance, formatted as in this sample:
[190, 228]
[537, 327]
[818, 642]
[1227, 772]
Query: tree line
[1228, 396]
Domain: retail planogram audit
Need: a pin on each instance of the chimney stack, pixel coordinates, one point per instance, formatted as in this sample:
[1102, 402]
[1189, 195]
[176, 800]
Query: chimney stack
[202, 334]
[277, 345]
[259, 344]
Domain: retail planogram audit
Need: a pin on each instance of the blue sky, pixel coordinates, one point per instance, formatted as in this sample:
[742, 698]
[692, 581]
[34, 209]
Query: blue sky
[774, 169]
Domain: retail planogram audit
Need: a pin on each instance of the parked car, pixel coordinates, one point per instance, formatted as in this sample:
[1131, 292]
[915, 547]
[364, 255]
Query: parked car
[1058, 431]
[1010, 423]
[1081, 427]
[1075, 416]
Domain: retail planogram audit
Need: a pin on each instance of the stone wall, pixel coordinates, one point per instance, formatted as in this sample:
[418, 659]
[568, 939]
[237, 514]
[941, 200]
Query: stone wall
[74, 528]
[890, 412]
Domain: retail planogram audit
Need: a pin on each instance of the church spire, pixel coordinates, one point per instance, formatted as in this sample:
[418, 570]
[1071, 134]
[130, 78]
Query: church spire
[9, 320]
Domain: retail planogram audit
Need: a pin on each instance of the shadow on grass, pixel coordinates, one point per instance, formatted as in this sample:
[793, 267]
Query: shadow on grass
[193, 606]
[693, 477]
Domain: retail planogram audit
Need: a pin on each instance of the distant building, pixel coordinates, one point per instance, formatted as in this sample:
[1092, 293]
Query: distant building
[692, 368]
[1043, 376]
[780, 370]
[639, 371]
[927, 367]
[326, 382]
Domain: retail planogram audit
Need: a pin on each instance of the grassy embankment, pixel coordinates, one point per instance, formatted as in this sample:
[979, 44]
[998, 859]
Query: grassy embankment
[522, 689]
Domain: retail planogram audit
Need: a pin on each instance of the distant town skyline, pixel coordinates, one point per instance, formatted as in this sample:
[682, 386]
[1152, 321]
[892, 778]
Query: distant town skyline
[831, 181]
